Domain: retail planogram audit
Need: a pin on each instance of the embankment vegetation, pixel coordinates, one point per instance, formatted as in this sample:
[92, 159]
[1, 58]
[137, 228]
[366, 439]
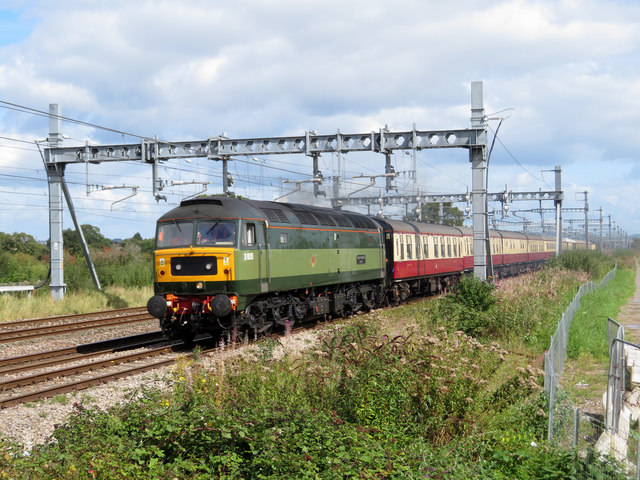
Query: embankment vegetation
[442, 388]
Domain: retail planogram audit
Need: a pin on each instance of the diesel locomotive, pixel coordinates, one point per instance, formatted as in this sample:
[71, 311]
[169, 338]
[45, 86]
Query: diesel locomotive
[223, 263]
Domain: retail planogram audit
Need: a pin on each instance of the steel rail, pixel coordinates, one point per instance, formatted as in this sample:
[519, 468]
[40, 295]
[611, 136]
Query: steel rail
[18, 335]
[81, 384]
[133, 341]
[71, 316]
[65, 372]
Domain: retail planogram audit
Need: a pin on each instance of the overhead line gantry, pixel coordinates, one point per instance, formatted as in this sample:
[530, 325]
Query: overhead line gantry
[152, 151]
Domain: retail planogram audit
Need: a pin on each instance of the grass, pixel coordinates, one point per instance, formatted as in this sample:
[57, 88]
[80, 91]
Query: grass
[586, 370]
[589, 328]
[18, 306]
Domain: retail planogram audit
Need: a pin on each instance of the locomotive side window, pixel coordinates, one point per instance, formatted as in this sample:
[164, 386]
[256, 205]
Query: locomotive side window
[174, 234]
[248, 234]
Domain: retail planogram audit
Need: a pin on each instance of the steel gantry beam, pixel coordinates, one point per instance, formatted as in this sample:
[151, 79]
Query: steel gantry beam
[384, 141]
[309, 144]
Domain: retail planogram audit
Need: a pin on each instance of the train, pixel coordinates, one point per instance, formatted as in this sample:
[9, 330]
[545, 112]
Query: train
[224, 263]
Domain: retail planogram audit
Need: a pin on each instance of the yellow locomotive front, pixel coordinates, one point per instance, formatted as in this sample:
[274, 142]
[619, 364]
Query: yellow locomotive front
[194, 273]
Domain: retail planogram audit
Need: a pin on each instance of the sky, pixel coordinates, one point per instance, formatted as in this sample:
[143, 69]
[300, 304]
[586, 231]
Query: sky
[561, 86]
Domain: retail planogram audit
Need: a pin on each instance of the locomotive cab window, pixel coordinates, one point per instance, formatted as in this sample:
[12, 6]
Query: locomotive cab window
[174, 234]
[216, 233]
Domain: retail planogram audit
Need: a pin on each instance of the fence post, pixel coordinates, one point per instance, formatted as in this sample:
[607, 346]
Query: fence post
[576, 426]
[552, 399]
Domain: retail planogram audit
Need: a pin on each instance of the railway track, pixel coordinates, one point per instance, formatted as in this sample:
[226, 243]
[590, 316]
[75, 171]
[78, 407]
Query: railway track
[36, 328]
[28, 378]
[42, 364]
[47, 366]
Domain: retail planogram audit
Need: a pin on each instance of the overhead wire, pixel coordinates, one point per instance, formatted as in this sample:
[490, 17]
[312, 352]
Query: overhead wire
[41, 113]
[496, 137]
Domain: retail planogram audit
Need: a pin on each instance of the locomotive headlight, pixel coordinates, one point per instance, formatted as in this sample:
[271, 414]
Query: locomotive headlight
[208, 266]
[199, 285]
[178, 267]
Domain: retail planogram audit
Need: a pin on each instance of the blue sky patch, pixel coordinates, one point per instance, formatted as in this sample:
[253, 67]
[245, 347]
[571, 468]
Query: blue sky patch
[14, 28]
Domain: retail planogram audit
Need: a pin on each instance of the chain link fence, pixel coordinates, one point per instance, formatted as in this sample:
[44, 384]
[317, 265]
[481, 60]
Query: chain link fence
[615, 433]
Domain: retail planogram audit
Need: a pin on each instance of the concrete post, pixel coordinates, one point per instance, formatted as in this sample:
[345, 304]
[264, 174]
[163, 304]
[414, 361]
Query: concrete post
[558, 204]
[55, 175]
[477, 157]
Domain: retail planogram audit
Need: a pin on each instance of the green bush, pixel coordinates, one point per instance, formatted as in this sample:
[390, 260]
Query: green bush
[469, 304]
[593, 262]
[114, 266]
[21, 267]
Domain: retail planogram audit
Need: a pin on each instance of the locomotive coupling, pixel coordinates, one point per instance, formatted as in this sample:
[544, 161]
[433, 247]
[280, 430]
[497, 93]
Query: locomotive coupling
[157, 306]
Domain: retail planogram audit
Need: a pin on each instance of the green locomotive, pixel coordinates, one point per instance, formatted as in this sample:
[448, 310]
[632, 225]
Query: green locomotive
[223, 263]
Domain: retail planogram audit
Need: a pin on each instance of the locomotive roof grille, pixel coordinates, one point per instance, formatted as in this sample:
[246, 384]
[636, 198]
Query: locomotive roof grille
[342, 221]
[325, 219]
[275, 215]
[306, 217]
[357, 221]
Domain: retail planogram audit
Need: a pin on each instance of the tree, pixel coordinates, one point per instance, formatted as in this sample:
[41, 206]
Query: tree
[21, 243]
[146, 246]
[92, 236]
[448, 215]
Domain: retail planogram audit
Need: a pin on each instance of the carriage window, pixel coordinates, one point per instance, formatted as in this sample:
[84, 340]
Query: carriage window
[425, 247]
[435, 248]
[284, 238]
[448, 247]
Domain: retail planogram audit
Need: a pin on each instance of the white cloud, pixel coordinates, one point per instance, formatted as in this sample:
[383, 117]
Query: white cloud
[192, 69]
